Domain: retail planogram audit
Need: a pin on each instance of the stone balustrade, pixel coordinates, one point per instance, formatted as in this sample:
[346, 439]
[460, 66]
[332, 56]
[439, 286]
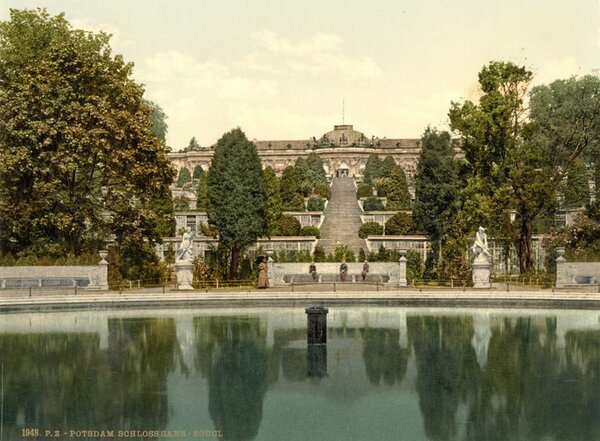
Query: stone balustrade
[83, 276]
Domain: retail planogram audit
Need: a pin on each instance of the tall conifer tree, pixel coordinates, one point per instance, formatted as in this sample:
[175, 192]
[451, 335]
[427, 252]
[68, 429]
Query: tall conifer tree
[236, 195]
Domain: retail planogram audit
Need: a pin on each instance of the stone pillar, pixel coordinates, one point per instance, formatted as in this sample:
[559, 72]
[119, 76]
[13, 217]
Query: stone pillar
[402, 282]
[185, 276]
[316, 328]
[481, 271]
[103, 271]
[561, 268]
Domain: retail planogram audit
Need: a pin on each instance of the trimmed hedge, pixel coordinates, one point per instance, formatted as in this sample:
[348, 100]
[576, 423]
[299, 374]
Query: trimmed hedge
[364, 191]
[323, 189]
[310, 231]
[400, 223]
[373, 204]
[370, 229]
[287, 226]
[315, 204]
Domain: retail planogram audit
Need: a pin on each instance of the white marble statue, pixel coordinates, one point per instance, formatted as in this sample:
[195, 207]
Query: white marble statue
[184, 252]
[480, 247]
[481, 265]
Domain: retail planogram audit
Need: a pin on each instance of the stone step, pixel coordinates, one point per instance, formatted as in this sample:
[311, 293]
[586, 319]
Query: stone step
[342, 217]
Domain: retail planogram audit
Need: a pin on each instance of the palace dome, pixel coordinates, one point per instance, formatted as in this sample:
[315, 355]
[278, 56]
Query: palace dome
[344, 136]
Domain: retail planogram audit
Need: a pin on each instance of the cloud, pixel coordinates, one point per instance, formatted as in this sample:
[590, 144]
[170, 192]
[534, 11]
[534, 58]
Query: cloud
[271, 92]
[319, 53]
[556, 68]
[118, 41]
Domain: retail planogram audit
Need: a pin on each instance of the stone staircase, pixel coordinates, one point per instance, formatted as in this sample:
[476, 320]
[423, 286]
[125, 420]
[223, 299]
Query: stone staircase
[342, 218]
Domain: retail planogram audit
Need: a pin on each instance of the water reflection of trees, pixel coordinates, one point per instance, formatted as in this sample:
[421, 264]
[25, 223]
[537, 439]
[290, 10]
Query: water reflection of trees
[231, 352]
[142, 352]
[64, 380]
[531, 388]
[446, 365]
[383, 356]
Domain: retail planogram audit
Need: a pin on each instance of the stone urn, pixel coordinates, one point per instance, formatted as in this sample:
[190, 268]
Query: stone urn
[103, 255]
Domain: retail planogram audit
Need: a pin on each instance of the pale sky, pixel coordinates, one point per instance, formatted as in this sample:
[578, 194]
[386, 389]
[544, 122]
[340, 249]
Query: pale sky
[281, 69]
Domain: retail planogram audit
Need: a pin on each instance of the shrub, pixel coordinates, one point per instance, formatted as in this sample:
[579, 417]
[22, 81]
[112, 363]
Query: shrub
[323, 189]
[381, 185]
[341, 253]
[361, 255]
[364, 191]
[310, 231]
[316, 204]
[414, 265]
[373, 204]
[287, 226]
[303, 256]
[457, 268]
[201, 271]
[282, 257]
[296, 204]
[181, 203]
[319, 254]
[400, 223]
[370, 229]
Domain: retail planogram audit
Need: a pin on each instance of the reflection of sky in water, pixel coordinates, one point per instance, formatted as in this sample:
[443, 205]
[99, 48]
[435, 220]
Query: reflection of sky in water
[392, 373]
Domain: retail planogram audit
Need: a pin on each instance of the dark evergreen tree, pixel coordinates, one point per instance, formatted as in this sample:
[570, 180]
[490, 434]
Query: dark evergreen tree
[372, 169]
[302, 172]
[193, 146]
[197, 172]
[291, 192]
[202, 192]
[316, 171]
[398, 196]
[236, 195]
[273, 200]
[184, 177]
[388, 165]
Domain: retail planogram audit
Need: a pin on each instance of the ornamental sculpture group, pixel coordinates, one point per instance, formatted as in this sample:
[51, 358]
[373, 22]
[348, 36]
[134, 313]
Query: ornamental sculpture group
[481, 265]
[482, 262]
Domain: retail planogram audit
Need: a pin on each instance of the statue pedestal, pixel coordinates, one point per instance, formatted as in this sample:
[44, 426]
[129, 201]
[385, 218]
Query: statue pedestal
[183, 268]
[402, 282]
[481, 272]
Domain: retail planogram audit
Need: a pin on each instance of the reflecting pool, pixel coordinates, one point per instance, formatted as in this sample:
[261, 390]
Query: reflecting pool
[386, 373]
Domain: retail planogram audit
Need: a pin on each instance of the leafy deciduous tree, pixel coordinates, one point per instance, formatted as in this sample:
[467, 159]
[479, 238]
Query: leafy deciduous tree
[437, 187]
[78, 157]
[576, 189]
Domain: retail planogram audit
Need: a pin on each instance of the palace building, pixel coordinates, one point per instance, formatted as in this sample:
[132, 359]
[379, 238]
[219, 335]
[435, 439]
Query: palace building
[344, 152]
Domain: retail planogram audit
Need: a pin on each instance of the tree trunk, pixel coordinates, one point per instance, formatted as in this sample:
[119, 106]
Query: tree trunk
[525, 247]
[235, 260]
